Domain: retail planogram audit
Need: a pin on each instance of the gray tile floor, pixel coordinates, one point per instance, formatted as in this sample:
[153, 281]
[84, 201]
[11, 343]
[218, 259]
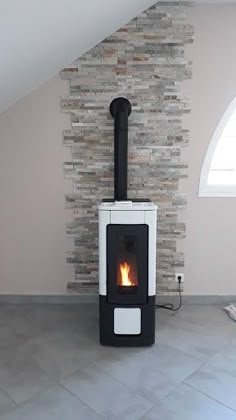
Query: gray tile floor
[52, 366]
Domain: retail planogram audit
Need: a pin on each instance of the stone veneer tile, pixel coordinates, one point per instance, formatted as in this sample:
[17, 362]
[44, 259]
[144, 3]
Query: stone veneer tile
[144, 61]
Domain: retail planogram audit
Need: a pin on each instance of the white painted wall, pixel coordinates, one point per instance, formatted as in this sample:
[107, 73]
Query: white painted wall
[210, 246]
[39, 38]
[33, 243]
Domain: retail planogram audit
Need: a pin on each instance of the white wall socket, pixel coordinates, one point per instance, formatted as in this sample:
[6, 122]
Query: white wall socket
[177, 275]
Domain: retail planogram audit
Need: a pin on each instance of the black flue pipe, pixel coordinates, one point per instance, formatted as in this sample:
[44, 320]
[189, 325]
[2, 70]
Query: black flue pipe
[120, 109]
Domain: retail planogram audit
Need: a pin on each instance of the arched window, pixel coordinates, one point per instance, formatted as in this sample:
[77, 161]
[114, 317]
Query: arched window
[218, 174]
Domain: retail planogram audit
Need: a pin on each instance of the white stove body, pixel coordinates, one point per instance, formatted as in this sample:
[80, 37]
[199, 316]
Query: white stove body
[128, 322]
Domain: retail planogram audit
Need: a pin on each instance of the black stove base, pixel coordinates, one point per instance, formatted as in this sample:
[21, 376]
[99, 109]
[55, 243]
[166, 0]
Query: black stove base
[109, 338]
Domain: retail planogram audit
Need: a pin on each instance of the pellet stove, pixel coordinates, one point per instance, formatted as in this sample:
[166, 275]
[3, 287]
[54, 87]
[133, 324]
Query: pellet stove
[127, 253]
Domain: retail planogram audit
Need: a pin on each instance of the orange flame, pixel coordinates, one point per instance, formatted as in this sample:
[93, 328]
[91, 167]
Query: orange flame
[125, 275]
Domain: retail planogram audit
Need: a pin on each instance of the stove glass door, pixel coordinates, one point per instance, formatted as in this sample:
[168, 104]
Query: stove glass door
[127, 263]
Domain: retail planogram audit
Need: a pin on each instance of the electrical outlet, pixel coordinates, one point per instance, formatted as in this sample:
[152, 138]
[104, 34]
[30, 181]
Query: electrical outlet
[179, 276]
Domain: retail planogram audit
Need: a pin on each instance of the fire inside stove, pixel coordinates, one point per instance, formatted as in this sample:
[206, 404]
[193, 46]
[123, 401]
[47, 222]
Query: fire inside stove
[126, 277]
[126, 269]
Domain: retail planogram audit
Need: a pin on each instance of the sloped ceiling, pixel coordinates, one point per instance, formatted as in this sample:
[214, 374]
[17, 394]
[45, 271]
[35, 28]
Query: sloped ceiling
[39, 38]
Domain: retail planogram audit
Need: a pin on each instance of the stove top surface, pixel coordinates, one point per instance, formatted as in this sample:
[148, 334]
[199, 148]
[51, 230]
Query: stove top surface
[129, 205]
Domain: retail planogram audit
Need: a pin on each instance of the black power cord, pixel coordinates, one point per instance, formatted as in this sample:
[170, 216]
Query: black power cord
[170, 306]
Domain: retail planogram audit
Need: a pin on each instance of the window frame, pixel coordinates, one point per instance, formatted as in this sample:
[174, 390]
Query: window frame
[217, 190]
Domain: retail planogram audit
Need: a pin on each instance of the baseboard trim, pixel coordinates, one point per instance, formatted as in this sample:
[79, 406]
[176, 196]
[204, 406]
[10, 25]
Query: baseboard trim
[48, 299]
[197, 299]
[73, 299]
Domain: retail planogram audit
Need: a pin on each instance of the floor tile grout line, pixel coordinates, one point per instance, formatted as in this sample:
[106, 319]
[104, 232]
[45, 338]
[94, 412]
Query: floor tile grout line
[157, 402]
[184, 381]
[192, 373]
[135, 392]
[149, 410]
[181, 351]
[9, 396]
[207, 364]
[221, 370]
[193, 355]
[216, 353]
[209, 396]
[96, 364]
[36, 395]
[203, 363]
[70, 392]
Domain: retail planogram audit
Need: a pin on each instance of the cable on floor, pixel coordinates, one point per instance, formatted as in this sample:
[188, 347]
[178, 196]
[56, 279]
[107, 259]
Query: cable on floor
[170, 306]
